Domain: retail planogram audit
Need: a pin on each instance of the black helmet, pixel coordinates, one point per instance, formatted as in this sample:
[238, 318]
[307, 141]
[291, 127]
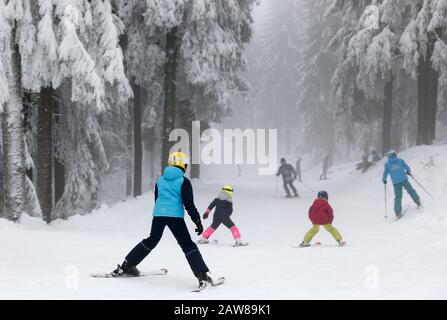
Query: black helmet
[283, 160]
[323, 194]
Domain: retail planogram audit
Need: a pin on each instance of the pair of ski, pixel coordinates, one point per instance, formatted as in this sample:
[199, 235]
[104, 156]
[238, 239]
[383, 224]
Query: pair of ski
[160, 272]
[216, 283]
[243, 244]
[318, 244]
[404, 213]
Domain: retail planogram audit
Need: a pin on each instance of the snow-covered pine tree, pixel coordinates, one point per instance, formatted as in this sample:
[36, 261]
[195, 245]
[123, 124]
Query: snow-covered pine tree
[41, 71]
[142, 44]
[372, 56]
[201, 45]
[439, 59]
[418, 43]
[357, 115]
[371, 71]
[282, 55]
[24, 43]
[35, 62]
[211, 61]
[87, 36]
[213, 48]
[316, 101]
[4, 92]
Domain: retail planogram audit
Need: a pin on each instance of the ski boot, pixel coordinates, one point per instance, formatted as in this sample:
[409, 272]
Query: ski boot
[288, 196]
[341, 243]
[304, 244]
[419, 204]
[204, 279]
[238, 243]
[126, 270]
[203, 241]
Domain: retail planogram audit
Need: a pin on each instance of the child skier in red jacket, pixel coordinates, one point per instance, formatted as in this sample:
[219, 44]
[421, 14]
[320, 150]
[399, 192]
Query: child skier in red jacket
[321, 214]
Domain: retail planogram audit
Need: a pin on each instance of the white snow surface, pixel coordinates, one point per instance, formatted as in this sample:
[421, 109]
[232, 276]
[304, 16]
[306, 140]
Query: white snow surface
[403, 260]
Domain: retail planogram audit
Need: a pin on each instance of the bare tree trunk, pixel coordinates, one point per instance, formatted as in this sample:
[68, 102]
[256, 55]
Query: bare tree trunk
[428, 95]
[152, 166]
[1, 171]
[59, 179]
[28, 102]
[170, 93]
[150, 145]
[387, 115]
[433, 82]
[138, 143]
[14, 140]
[423, 101]
[45, 153]
[432, 104]
[59, 168]
[129, 144]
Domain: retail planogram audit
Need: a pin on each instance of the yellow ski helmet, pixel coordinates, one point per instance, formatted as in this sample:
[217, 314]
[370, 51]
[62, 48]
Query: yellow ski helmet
[228, 189]
[178, 159]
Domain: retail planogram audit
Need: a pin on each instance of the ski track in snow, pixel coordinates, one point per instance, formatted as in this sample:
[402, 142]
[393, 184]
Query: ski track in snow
[403, 260]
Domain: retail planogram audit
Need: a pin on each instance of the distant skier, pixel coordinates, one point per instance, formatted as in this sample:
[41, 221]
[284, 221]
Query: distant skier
[224, 208]
[398, 171]
[321, 214]
[375, 157]
[288, 176]
[173, 192]
[323, 175]
[298, 169]
[364, 165]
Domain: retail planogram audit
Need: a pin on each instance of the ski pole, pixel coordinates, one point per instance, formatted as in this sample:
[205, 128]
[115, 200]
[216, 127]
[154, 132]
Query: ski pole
[420, 185]
[386, 207]
[277, 196]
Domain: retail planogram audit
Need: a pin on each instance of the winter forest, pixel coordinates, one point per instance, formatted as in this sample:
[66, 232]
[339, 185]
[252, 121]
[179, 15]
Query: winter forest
[90, 91]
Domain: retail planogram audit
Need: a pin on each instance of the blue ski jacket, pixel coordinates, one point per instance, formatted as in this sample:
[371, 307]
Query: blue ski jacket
[173, 193]
[397, 169]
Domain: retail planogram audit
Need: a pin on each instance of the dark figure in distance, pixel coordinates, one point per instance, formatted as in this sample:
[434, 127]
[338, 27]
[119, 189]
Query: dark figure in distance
[323, 175]
[288, 176]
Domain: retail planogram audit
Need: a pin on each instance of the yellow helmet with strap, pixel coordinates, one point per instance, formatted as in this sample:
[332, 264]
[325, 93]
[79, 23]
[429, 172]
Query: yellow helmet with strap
[228, 189]
[178, 159]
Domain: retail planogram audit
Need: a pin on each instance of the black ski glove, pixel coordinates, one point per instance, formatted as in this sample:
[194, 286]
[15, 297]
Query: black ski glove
[199, 227]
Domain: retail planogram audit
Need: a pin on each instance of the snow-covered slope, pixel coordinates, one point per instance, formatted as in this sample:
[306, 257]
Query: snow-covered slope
[383, 260]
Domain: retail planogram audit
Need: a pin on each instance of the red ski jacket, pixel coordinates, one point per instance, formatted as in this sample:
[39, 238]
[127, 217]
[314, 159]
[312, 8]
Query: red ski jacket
[321, 212]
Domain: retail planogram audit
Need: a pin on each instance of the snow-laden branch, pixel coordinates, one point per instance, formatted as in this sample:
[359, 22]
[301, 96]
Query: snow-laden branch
[78, 65]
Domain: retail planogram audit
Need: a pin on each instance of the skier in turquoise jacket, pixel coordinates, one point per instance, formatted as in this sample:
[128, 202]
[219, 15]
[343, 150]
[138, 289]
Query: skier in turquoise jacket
[399, 172]
[173, 194]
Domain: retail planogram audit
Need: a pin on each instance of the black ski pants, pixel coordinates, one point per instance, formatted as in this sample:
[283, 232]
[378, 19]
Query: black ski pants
[181, 234]
[286, 186]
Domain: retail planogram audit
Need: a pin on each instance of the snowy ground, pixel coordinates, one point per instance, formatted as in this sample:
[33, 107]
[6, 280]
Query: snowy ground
[383, 260]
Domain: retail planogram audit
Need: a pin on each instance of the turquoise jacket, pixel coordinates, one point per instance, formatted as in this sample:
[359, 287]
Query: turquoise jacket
[397, 169]
[173, 193]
